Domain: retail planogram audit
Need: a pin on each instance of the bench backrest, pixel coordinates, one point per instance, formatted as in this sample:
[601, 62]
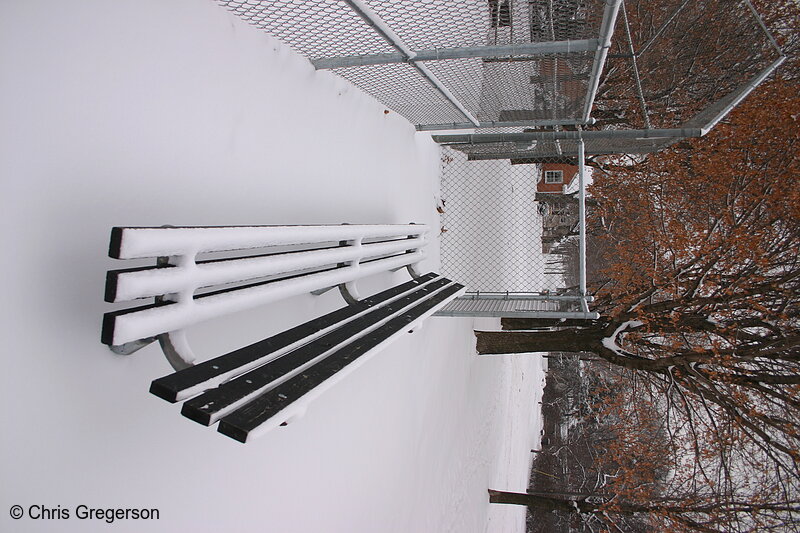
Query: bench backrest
[289, 260]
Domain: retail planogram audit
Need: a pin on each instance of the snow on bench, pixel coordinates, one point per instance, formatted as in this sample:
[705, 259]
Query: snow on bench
[270, 382]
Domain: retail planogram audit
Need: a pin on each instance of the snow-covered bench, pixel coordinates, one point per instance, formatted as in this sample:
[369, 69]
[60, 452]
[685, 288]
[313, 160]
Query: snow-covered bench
[269, 382]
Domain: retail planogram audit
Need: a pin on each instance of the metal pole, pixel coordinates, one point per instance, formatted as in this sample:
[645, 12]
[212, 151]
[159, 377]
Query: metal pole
[741, 95]
[521, 296]
[480, 138]
[555, 72]
[653, 39]
[504, 124]
[635, 64]
[764, 27]
[606, 30]
[522, 49]
[565, 153]
[582, 226]
[380, 27]
[496, 313]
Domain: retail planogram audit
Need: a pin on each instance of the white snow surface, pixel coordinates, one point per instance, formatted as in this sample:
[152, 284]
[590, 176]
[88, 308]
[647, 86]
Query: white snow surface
[147, 112]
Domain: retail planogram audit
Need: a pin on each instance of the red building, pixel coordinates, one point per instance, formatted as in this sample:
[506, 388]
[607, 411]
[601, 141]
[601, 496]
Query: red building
[554, 178]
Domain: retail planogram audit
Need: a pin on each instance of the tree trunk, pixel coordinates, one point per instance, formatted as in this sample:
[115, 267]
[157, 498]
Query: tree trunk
[573, 340]
[512, 324]
[546, 503]
[569, 340]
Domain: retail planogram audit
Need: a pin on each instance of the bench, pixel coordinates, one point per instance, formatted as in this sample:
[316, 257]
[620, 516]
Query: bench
[206, 272]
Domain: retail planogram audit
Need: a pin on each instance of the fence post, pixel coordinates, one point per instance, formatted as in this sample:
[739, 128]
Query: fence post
[582, 225]
[606, 30]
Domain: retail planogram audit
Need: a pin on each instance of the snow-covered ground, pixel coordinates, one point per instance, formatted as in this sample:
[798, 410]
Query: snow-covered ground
[151, 112]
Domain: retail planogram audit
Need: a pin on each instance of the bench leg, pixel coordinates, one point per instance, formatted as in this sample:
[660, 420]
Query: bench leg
[349, 293]
[413, 272]
[176, 349]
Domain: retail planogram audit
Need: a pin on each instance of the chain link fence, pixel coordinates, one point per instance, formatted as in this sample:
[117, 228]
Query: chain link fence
[673, 70]
[496, 237]
[475, 82]
[541, 83]
[533, 63]
[511, 234]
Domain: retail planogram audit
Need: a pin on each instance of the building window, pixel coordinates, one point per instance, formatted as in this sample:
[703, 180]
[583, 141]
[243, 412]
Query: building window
[553, 176]
[500, 13]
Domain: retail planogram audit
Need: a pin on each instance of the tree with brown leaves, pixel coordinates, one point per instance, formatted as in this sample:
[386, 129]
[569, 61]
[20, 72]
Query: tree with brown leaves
[702, 247]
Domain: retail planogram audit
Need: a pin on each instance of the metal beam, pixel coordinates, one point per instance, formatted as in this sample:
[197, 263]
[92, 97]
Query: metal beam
[504, 124]
[482, 138]
[710, 117]
[380, 27]
[565, 152]
[658, 33]
[480, 295]
[764, 27]
[606, 30]
[438, 54]
[636, 76]
[582, 225]
[521, 314]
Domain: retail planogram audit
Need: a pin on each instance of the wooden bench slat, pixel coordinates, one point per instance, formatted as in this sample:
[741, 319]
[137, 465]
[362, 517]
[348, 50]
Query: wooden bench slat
[215, 403]
[242, 422]
[130, 284]
[142, 242]
[208, 374]
[120, 328]
[109, 319]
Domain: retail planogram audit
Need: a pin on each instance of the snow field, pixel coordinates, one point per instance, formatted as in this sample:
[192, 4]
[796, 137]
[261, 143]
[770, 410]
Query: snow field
[523, 384]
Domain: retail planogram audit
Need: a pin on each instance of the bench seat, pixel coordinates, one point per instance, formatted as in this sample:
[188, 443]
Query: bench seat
[268, 383]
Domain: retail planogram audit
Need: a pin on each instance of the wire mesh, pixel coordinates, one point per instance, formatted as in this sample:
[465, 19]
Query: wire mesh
[503, 229]
[675, 64]
[502, 88]
[429, 24]
[314, 28]
[535, 88]
[668, 62]
[402, 89]
[510, 87]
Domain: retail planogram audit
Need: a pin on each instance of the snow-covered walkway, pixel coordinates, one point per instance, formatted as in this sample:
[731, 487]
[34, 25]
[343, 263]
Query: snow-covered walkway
[146, 112]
